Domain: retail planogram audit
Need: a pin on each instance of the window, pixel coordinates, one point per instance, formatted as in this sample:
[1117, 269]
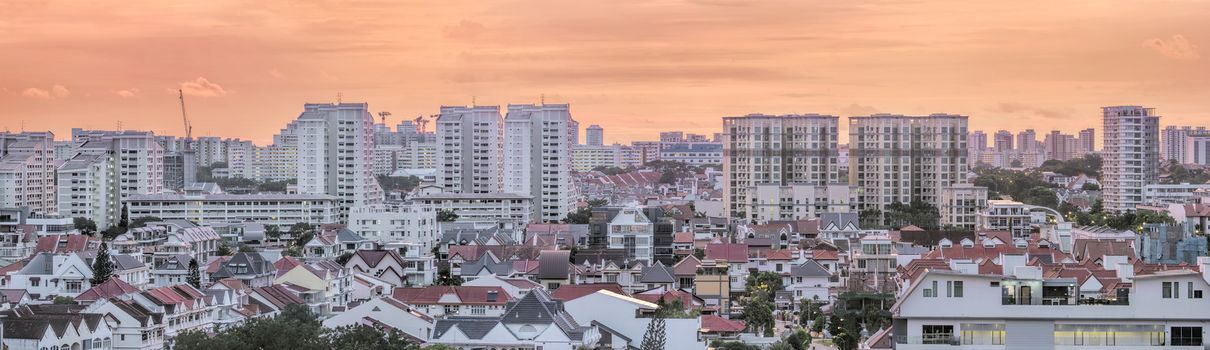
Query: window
[938, 334]
[931, 292]
[1186, 336]
[1167, 291]
[957, 289]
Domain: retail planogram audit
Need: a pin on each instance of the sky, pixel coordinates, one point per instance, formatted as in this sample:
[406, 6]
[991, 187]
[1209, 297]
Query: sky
[634, 67]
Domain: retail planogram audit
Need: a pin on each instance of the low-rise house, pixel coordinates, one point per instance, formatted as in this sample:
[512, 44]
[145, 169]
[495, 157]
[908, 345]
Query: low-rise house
[366, 287]
[622, 321]
[41, 327]
[173, 270]
[324, 285]
[250, 268]
[535, 321]
[444, 301]
[331, 243]
[809, 281]
[229, 298]
[387, 315]
[515, 286]
[10, 298]
[269, 301]
[385, 265]
[48, 275]
[131, 270]
[718, 328]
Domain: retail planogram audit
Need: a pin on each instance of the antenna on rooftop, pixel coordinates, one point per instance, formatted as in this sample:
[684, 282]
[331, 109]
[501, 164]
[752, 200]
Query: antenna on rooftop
[543, 98]
[472, 100]
[339, 97]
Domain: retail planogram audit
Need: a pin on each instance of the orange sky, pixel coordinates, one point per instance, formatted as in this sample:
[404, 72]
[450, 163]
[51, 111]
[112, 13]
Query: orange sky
[634, 67]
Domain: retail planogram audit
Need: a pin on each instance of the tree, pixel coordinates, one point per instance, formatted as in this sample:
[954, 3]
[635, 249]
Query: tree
[758, 314]
[446, 278]
[85, 225]
[654, 338]
[799, 340]
[845, 341]
[102, 267]
[444, 215]
[358, 337]
[344, 258]
[732, 345]
[296, 328]
[223, 250]
[272, 231]
[765, 281]
[835, 324]
[810, 310]
[143, 220]
[112, 232]
[124, 222]
[64, 300]
[821, 321]
[195, 277]
[579, 217]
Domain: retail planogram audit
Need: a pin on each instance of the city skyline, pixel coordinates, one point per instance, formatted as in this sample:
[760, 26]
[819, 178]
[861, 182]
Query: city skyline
[687, 64]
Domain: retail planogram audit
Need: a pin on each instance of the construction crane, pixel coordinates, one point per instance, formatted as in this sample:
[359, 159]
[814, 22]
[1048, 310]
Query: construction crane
[184, 117]
[384, 115]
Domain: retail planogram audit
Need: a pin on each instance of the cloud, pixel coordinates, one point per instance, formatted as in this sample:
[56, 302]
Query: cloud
[854, 109]
[35, 93]
[276, 73]
[1047, 113]
[1177, 48]
[202, 87]
[60, 91]
[465, 30]
[127, 93]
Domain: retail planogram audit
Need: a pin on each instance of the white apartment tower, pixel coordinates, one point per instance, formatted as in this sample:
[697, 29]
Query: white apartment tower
[470, 149]
[896, 158]
[537, 152]
[138, 159]
[27, 171]
[336, 152]
[86, 189]
[760, 149]
[1131, 155]
[594, 135]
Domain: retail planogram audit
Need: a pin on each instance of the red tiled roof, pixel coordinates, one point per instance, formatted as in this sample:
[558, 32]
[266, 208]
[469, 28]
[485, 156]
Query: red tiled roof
[113, 287]
[824, 254]
[917, 267]
[687, 300]
[729, 252]
[63, 244]
[682, 237]
[575, 291]
[716, 324]
[687, 266]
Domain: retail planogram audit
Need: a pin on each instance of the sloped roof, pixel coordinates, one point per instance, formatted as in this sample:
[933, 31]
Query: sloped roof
[716, 324]
[657, 273]
[575, 291]
[111, 288]
[554, 264]
[63, 244]
[467, 295]
[728, 252]
[687, 266]
[809, 268]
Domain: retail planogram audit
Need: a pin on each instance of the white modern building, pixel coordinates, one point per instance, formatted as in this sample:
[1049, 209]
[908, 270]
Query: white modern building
[779, 150]
[961, 203]
[281, 210]
[1006, 215]
[586, 157]
[336, 154]
[480, 208]
[795, 202]
[537, 150]
[27, 172]
[1175, 141]
[694, 153]
[1131, 155]
[470, 149]
[631, 231]
[1165, 194]
[1021, 310]
[136, 156]
[1197, 149]
[896, 158]
[87, 189]
[411, 222]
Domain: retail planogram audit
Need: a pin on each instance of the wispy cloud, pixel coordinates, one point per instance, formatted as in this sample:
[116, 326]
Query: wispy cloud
[127, 93]
[35, 93]
[202, 87]
[1177, 48]
[60, 91]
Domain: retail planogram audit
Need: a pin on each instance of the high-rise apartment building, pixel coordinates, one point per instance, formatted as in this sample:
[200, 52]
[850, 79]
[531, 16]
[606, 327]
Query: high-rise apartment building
[594, 135]
[138, 159]
[27, 171]
[336, 154]
[761, 149]
[896, 158]
[86, 188]
[976, 145]
[470, 149]
[1088, 141]
[537, 149]
[1027, 140]
[1131, 155]
[1059, 146]
[1004, 141]
[1197, 149]
[1175, 140]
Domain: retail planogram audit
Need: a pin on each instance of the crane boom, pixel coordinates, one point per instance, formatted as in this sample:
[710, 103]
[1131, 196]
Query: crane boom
[184, 117]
